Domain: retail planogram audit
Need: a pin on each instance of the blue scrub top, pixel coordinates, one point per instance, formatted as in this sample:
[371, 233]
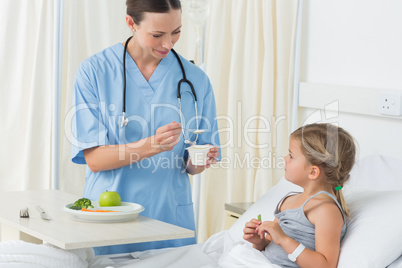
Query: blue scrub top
[159, 183]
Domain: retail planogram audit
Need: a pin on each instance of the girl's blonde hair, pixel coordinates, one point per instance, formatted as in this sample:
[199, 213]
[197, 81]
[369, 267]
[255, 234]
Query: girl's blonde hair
[333, 150]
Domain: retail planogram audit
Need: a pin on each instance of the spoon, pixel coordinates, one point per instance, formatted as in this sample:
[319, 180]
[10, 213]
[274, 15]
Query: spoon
[197, 131]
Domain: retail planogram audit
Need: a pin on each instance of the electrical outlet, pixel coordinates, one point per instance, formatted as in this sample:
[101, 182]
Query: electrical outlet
[390, 103]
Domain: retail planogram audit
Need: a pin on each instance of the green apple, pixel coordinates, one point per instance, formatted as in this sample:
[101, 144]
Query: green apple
[109, 199]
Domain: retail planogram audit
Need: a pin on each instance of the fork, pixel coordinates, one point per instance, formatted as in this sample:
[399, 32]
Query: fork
[24, 213]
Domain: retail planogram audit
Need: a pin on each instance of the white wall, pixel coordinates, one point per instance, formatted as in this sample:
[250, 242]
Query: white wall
[356, 43]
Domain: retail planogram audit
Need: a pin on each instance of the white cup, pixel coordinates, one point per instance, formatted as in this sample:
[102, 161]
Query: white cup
[198, 154]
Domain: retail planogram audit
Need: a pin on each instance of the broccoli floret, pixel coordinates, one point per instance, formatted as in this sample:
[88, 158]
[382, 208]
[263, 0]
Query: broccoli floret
[75, 207]
[82, 203]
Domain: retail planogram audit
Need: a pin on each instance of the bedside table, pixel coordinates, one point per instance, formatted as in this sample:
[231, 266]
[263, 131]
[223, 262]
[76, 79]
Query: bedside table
[233, 211]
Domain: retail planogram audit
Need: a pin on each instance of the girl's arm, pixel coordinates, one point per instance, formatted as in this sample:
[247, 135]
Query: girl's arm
[328, 223]
[107, 157]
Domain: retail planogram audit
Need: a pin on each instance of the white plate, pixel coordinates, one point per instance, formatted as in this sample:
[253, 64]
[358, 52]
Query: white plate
[126, 212]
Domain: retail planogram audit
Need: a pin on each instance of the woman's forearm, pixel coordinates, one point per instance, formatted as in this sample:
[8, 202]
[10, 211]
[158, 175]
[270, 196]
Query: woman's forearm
[107, 157]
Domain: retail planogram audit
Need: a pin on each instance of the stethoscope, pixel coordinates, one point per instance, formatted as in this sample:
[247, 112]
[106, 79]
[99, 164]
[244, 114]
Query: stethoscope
[124, 120]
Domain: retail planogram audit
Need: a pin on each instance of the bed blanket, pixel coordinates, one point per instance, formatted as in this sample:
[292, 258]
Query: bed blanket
[230, 254]
[20, 254]
[219, 251]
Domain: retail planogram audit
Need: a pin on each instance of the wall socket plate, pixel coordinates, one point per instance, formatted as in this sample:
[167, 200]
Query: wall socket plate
[390, 102]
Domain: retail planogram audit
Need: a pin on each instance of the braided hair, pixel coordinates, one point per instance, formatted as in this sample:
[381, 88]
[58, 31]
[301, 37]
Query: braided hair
[333, 150]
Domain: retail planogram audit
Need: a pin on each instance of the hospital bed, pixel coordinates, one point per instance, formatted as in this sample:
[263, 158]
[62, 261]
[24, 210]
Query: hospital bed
[373, 238]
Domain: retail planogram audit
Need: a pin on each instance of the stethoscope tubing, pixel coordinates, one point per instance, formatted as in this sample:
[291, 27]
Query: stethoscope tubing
[183, 80]
[124, 75]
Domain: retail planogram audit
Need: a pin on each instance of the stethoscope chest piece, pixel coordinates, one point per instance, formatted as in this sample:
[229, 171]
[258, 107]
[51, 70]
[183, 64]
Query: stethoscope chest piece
[124, 120]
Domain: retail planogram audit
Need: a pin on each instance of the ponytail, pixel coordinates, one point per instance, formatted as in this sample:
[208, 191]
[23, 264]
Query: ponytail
[342, 202]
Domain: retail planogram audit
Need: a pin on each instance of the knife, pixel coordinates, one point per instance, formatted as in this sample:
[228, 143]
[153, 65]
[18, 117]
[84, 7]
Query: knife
[43, 213]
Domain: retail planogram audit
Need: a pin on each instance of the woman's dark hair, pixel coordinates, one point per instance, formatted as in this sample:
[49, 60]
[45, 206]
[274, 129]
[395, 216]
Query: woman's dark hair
[137, 8]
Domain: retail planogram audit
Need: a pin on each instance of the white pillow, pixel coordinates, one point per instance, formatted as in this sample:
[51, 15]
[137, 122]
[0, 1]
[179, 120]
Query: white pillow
[375, 173]
[397, 263]
[265, 206]
[374, 234]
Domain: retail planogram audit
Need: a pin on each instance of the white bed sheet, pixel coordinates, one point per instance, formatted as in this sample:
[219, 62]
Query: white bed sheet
[397, 263]
[372, 192]
[169, 257]
[20, 254]
[220, 251]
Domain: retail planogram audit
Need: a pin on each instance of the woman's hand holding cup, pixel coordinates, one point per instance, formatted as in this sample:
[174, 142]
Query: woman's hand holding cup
[203, 155]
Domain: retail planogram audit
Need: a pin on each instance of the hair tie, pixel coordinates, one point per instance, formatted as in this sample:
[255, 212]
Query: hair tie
[337, 188]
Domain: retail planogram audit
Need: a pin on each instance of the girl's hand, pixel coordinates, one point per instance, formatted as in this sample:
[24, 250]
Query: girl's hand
[167, 136]
[250, 234]
[273, 229]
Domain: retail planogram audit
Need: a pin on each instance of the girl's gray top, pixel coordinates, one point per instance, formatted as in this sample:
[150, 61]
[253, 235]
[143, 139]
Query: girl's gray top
[295, 224]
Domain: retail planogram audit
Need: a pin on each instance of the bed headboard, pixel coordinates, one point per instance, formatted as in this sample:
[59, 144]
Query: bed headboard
[356, 110]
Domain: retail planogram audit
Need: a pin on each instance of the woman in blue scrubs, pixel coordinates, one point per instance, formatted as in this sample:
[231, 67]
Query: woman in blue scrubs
[144, 161]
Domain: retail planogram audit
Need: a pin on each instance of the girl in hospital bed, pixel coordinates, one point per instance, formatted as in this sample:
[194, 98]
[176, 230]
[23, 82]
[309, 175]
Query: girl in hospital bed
[309, 226]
